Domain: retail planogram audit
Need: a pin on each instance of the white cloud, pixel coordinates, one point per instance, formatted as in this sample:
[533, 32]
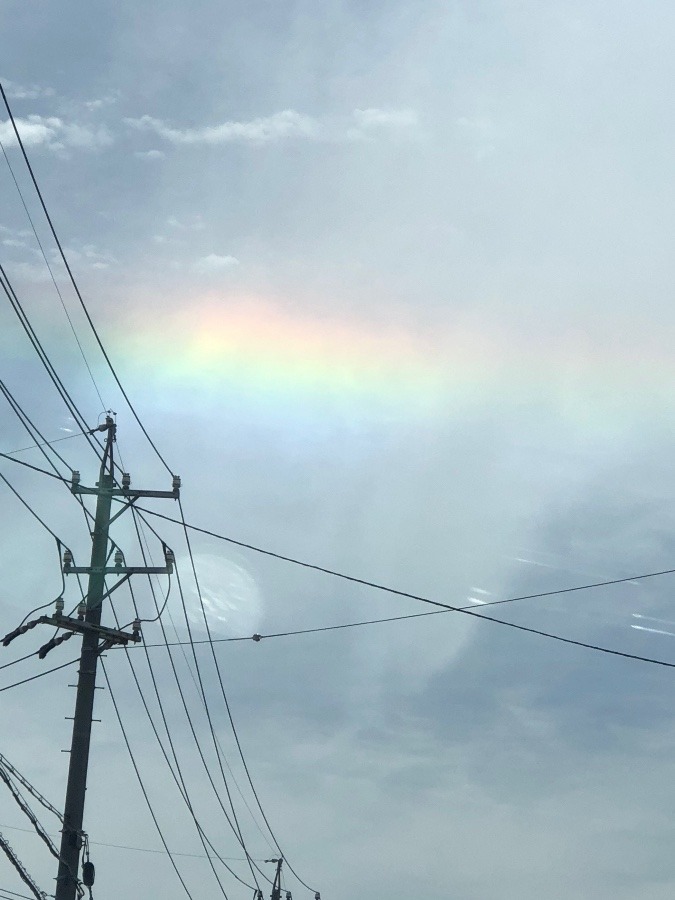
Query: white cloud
[54, 133]
[25, 92]
[150, 154]
[284, 125]
[214, 263]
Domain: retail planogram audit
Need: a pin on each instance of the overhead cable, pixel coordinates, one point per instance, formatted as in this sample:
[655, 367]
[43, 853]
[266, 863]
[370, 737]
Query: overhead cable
[446, 606]
[224, 694]
[6, 764]
[75, 286]
[21, 869]
[142, 785]
[51, 273]
[71, 662]
[146, 550]
[177, 776]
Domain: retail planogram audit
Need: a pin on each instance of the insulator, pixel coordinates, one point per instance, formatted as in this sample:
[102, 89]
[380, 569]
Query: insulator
[317, 896]
[75, 477]
[169, 556]
[176, 482]
[82, 610]
[136, 626]
[119, 558]
[126, 480]
[59, 606]
[67, 559]
[88, 873]
[288, 895]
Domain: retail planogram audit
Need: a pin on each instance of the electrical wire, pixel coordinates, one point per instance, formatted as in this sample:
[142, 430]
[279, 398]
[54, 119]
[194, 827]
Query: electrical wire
[44, 256]
[141, 784]
[160, 612]
[382, 587]
[184, 792]
[32, 430]
[67, 437]
[28, 812]
[14, 893]
[30, 509]
[21, 869]
[40, 675]
[6, 764]
[129, 847]
[450, 608]
[232, 825]
[223, 692]
[76, 288]
[177, 775]
[20, 659]
[235, 824]
[146, 549]
[59, 546]
[29, 466]
[15, 303]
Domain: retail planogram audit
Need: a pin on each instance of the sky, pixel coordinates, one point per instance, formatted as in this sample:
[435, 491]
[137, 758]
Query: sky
[390, 288]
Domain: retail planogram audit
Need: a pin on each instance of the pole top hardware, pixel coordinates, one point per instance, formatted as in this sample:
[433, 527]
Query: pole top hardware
[110, 636]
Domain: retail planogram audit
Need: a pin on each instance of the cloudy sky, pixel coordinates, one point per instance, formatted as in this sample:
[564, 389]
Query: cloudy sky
[390, 287]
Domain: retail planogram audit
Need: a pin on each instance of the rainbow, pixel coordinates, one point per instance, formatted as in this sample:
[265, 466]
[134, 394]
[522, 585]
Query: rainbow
[274, 359]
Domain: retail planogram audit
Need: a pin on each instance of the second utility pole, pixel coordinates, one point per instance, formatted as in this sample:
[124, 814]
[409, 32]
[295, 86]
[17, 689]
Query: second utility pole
[89, 625]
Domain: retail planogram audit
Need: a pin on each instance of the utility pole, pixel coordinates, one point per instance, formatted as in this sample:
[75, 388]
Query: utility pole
[276, 886]
[95, 640]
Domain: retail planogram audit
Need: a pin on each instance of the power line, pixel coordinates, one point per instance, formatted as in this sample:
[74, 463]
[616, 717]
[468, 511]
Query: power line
[6, 764]
[20, 659]
[15, 303]
[39, 675]
[234, 822]
[21, 869]
[145, 548]
[446, 606]
[31, 510]
[7, 890]
[67, 437]
[178, 775]
[28, 812]
[21, 462]
[33, 431]
[75, 286]
[44, 256]
[223, 693]
[129, 847]
[390, 590]
[141, 784]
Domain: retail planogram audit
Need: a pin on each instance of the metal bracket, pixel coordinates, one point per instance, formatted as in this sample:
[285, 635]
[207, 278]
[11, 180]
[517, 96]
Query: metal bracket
[82, 627]
[118, 570]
